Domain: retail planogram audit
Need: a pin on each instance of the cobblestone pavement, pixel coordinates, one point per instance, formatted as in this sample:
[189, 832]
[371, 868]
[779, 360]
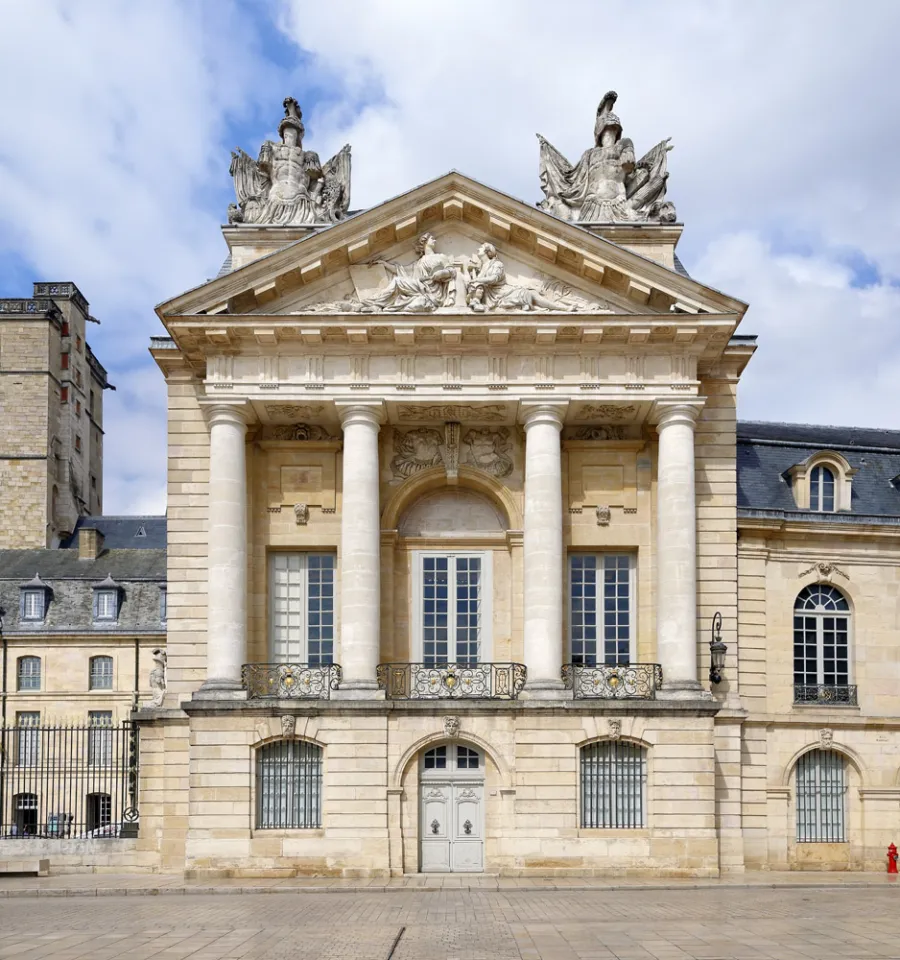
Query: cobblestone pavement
[854, 923]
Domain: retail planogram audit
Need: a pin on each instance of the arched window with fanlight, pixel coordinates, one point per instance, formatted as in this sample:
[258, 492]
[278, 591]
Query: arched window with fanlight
[822, 646]
[821, 490]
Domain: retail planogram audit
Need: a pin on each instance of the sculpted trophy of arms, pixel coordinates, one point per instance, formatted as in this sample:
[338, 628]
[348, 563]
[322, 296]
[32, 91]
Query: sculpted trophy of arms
[607, 185]
[287, 185]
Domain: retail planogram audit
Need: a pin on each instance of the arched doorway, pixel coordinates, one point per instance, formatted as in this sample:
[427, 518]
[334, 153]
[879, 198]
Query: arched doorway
[451, 809]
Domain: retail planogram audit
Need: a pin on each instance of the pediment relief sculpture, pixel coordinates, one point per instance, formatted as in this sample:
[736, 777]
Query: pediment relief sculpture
[426, 447]
[303, 432]
[287, 185]
[436, 282]
[488, 450]
[416, 450]
[607, 185]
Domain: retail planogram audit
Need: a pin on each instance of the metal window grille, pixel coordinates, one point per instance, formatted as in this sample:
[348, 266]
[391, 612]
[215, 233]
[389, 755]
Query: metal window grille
[67, 782]
[99, 738]
[101, 673]
[303, 608]
[821, 797]
[289, 786]
[29, 673]
[33, 604]
[821, 490]
[451, 609]
[600, 608]
[613, 785]
[821, 636]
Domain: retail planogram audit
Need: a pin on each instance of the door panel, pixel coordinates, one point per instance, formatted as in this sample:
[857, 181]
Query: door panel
[434, 827]
[467, 841]
[451, 828]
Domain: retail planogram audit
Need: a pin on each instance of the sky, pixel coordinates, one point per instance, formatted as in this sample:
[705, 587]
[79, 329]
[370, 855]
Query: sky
[118, 117]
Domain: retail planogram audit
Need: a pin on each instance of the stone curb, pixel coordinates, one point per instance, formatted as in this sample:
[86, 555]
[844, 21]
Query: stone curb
[241, 891]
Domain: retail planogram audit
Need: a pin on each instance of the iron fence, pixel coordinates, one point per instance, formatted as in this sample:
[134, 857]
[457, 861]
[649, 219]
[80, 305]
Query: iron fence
[451, 681]
[290, 681]
[825, 693]
[68, 782]
[622, 681]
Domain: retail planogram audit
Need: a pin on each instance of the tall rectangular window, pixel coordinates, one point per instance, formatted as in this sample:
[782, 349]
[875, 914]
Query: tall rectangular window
[28, 737]
[821, 797]
[302, 607]
[99, 738]
[453, 616]
[29, 673]
[601, 608]
[101, 673]
[613, 785]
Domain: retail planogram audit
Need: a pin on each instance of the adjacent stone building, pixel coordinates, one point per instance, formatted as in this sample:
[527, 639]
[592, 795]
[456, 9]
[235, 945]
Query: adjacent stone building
[51, 431]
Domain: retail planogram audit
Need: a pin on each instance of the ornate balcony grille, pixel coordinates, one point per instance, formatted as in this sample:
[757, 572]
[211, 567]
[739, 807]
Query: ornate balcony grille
[451, 681]
[825, 693]
[623, 681]
[68, 782]
[290, 681]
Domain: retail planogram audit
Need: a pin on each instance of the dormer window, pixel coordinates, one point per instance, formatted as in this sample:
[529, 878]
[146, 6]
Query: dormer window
[822, 483]
[107, 594]
[33, 600]
[821, 490]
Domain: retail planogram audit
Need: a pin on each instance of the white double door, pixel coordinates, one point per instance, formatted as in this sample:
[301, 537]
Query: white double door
[451, 827]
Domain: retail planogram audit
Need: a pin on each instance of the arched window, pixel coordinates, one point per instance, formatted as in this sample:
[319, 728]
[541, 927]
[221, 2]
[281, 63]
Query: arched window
[28, 675]
[821, 797]
[822, 646]
[101, 673]
[288, 786]
[821, 490]
[613, 785]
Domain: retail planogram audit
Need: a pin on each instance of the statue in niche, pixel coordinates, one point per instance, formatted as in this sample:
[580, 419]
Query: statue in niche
[158, 677]
[489, 450]
[416, 450]
[607, 185]
[287, 185]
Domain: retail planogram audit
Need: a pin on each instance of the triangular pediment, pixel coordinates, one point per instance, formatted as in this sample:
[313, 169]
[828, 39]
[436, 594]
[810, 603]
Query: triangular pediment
[372, 264]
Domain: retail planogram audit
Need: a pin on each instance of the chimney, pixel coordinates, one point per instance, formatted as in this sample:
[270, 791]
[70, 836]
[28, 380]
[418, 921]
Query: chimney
[90, 543]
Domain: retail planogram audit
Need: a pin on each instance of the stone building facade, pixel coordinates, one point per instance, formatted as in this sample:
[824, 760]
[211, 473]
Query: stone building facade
[51, 431]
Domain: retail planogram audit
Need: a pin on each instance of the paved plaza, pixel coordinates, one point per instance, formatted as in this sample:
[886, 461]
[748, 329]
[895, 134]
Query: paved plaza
[714, 923]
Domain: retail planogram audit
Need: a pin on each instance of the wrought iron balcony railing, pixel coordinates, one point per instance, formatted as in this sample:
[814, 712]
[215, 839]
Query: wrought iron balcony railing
[290, 681]
[623, 681]
[451, 681]
[825, 693]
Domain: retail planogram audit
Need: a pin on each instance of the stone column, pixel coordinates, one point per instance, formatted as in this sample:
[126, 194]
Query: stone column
[360, 588]
[226, 615]
[676, 549]
[543, 549]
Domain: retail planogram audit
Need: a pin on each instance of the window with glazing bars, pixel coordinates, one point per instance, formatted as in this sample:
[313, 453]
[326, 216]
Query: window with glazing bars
[451, 628]
[302, 605]
[821, 490]
[600, 608]
[821, 636]
[101, 673]
[29, 738]
[613, 785]
[288, 786]
[33, 604]
[99, 738]
[28, 675]
[821, 797]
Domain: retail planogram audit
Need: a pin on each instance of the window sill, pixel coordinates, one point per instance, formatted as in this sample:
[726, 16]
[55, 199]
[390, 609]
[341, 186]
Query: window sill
[294, 833]
[853, 707]
[614, 833]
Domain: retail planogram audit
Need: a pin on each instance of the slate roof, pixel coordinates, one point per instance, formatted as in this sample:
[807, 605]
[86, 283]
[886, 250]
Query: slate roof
[767, 451]
[123, 533]
[124, 565]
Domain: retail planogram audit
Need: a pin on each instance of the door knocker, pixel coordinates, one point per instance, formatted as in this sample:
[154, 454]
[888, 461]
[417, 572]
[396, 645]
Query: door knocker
[467, 827]
[435, 826]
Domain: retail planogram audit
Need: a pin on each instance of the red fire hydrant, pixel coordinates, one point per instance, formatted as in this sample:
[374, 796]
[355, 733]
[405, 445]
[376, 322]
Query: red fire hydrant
[892, 858]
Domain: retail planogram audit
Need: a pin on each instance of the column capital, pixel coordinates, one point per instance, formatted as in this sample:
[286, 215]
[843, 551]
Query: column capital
[353, 412]
[668, 412]
[238, 413]
[532, 412]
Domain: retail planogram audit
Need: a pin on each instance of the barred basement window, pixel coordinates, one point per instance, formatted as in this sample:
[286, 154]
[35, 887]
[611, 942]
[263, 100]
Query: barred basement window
[101, 673]
[289, 786]
[28, 674]
[613, 785]
[821, 797]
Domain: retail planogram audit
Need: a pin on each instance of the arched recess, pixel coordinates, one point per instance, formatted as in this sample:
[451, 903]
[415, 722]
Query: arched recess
[433, 740]
[434, 478]
[280, 735]
[637, 741]
[850, 755]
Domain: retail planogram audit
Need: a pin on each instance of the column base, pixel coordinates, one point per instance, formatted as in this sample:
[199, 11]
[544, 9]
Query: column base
[358, 690]
[220, 690]
[544, 690]
[682, 690]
